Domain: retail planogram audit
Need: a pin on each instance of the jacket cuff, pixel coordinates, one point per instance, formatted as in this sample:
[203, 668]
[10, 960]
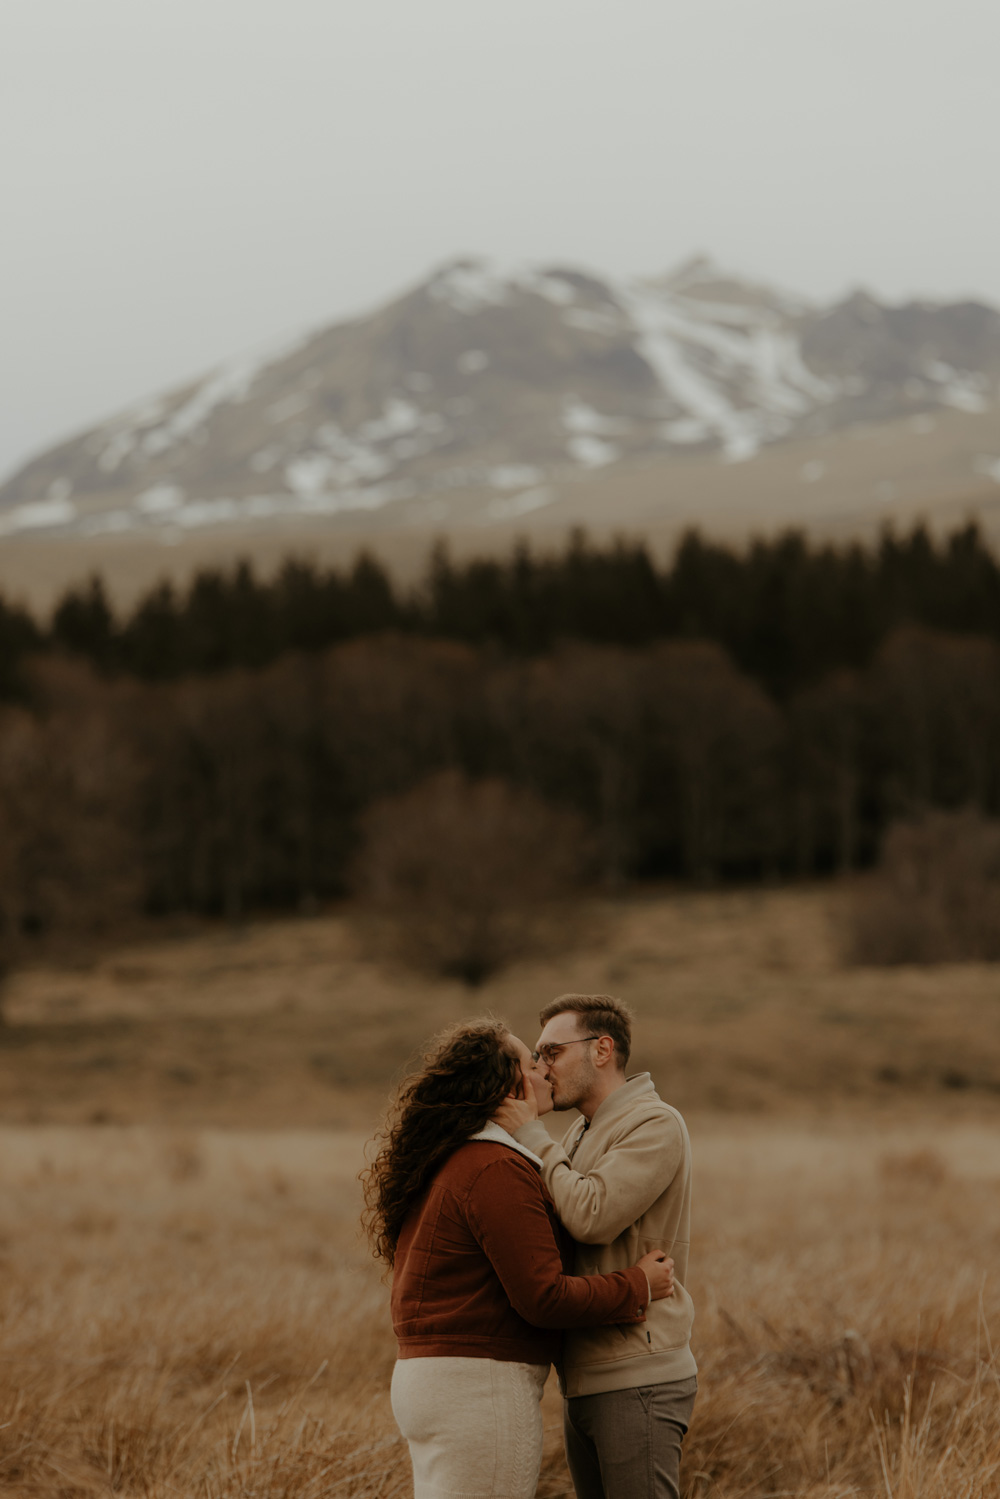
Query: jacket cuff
[643, 1290]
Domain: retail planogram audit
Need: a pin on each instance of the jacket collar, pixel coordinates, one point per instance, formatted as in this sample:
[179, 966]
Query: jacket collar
[499, 1136]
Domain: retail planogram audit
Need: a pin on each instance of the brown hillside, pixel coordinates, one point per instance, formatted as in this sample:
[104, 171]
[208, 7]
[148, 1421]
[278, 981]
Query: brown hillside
[742, 1004]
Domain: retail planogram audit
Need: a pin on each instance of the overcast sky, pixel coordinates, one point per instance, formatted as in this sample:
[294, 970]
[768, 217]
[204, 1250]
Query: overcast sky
[182, 179]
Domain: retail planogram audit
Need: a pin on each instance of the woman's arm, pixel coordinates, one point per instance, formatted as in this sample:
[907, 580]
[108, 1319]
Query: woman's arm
[508, 1215]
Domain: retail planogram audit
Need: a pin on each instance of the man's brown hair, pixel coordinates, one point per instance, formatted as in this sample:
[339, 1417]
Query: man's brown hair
[600, 1013]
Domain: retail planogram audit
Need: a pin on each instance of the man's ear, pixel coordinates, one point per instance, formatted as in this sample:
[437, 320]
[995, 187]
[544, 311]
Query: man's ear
[606, 1050]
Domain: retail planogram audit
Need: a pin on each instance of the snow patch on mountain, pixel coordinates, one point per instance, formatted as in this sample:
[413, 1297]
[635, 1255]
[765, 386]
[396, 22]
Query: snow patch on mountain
[590, 429]
[154, 428]
[517, 505]
[513, 475]
[963, 389]
[581, 418]
[41, 515]
[733, 371]
[592, 452]
[160, 499]
[988, 466]
[554, 288]
[468, 286]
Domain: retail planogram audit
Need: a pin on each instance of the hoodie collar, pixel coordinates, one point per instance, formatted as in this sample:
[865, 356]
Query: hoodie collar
[639, 1085]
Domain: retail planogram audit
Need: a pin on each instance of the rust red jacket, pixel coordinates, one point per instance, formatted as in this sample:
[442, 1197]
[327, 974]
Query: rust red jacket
[480, 1267]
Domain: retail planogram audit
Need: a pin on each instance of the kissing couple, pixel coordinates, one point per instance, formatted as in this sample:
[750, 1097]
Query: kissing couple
[511, 1251]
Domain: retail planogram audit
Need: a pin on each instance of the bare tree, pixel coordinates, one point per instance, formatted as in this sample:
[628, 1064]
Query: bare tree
[461, 878]
[68, 856]
[935, 897]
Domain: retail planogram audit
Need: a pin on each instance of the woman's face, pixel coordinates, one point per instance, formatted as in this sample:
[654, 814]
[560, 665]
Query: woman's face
[533, 1078]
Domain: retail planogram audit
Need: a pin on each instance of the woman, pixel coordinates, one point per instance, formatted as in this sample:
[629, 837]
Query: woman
[456, 1207]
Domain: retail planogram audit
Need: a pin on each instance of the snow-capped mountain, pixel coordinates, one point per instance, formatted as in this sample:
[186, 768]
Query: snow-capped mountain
[472, 395]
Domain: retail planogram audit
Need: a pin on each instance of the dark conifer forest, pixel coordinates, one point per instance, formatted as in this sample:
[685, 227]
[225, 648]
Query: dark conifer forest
[755, 714]
[785, 612]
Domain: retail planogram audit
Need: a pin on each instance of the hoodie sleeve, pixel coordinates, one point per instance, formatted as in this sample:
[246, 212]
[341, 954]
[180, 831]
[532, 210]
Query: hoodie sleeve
[507, 1213]
[633, 1172]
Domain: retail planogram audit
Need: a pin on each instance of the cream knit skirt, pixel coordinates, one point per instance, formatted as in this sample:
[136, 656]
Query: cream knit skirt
[473, 1425]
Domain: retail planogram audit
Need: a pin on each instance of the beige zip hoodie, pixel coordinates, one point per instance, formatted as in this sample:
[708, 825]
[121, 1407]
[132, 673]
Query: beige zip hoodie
[622, 1186]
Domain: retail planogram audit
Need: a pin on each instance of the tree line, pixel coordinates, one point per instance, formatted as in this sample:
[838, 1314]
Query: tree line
[787, 613]
[248, 789]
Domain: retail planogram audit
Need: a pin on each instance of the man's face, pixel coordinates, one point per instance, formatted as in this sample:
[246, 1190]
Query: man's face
[571, 1069]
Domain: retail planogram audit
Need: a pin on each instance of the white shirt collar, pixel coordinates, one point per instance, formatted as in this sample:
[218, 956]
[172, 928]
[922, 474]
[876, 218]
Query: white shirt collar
[499, 1136]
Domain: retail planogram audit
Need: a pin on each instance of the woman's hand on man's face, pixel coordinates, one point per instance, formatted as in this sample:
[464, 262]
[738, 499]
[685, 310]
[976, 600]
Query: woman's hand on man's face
[533, 1097]
[515, 1112]
[536, 1089]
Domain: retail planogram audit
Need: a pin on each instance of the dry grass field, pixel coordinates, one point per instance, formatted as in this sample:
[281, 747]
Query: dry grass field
[186, 1308]
[190, 1313]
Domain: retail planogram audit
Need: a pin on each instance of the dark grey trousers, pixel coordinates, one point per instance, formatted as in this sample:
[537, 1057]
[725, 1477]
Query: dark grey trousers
[627, 1444]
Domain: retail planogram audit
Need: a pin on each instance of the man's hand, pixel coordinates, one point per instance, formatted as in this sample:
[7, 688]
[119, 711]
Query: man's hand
[660, 1274]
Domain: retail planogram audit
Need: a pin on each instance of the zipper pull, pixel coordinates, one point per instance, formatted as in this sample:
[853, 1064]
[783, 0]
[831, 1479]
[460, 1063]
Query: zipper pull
[648, 1338]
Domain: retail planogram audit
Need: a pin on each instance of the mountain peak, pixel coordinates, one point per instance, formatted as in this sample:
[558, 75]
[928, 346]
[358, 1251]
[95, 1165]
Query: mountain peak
[479, 391]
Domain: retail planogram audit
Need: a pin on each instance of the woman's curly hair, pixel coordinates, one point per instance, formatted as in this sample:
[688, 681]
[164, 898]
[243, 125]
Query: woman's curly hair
[463, 1080]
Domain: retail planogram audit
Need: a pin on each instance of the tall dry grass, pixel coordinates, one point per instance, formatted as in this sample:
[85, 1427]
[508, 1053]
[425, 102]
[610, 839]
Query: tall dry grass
[179, 1319]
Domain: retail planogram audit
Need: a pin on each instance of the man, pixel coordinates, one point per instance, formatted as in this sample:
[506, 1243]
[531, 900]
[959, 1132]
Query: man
[621, 1182]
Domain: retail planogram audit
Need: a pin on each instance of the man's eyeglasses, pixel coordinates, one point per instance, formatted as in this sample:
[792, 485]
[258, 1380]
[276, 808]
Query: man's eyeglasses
[551, 1049]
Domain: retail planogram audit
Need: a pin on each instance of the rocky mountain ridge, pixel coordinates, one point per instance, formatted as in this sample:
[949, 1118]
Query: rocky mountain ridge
[473, 395]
